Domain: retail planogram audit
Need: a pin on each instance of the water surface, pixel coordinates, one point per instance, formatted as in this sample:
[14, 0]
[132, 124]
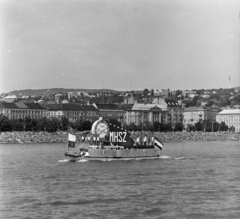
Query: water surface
[190, 180]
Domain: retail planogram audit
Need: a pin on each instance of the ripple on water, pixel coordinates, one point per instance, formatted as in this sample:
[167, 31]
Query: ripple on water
[195, 181]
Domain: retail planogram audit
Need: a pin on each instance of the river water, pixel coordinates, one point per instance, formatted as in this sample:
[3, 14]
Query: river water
[190, 180]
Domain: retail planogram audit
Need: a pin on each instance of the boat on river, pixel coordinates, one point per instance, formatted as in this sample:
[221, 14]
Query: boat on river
[107, 142]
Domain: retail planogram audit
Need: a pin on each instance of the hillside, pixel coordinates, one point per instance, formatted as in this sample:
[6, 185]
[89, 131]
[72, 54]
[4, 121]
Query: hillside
[237, 88]
[50, 91]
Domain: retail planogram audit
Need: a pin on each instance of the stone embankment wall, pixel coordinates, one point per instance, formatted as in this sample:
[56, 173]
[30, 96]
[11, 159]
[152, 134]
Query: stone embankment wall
[199, 136]
[61, 137]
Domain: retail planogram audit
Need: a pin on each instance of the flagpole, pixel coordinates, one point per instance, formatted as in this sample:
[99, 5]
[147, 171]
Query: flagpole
[68, 136]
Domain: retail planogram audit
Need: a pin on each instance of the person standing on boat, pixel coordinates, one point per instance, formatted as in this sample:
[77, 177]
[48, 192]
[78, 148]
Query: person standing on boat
[89, 139]
[83, 138]
[98, 141]
[138, 140]
[152, 140]
[145, 139]
[95, 139]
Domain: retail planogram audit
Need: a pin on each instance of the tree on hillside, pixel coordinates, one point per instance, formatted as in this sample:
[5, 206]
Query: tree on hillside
[199, 126]
[195, 100]
[145, 92]
[223, 126]
[177, 93]
[28, 123]
[5, 124]
[166, 127]
[64, 123]
[17, 125]
[209, 103]
[178, 127]
[157, 126]
[86, 125]
[78, 125]
[52, 125]
[147, 126]
[42, 123]
[132, 126]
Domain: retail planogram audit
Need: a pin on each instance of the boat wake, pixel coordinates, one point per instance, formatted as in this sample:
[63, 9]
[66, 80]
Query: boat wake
[83, 160]
[185, 158]
[63, 161]
[179, 158]
[165, 157]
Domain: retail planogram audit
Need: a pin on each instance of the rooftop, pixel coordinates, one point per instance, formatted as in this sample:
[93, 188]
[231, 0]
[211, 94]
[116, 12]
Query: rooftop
[107, 106]
[230, 111]
[19, 105]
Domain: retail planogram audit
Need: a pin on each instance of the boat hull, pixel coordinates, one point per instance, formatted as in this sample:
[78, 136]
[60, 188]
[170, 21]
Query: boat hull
[109, 155]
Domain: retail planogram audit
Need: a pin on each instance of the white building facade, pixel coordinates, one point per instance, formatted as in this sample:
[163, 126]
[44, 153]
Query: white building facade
[193, 115]
[145, 113]
[231, 117]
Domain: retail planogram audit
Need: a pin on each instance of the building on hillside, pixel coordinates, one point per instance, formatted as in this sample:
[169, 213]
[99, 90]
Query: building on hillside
[164, 93]
[26, 101]
[129, 98]
[157, 93]
[192, 94]
[91, 113]
[71, 95]
[126, 108]
[19, 110]
[231, 117]
[207, 92]
[144, 114]
[72, 112]
[57, 97]
[205, 96]
[192, 115]
[65, 101]
[9, 99]
[185, 93]
[160, 100]
[110, 111]
[174, 112]
[83, 94]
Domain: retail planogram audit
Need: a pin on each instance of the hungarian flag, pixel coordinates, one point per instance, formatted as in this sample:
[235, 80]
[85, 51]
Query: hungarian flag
[158, 143]
[71, 140]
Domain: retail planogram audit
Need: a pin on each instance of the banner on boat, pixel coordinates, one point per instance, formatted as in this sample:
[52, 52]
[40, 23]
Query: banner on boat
[113, 133]
[119, 136]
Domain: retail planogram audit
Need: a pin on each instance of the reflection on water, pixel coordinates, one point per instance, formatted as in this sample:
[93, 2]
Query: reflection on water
[190, 180]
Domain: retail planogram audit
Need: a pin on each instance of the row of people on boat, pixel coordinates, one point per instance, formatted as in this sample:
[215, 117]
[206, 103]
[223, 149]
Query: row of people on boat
[144, 140]
[139, 140]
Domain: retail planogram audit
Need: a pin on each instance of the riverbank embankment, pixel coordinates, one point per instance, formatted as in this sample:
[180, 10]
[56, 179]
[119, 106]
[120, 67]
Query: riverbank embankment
[61, 137]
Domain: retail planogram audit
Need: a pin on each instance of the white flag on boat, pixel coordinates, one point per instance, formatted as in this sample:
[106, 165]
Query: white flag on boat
[71, 137]
[71, 140]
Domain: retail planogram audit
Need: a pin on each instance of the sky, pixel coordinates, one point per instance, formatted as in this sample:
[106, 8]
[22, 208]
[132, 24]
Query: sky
[119, 44]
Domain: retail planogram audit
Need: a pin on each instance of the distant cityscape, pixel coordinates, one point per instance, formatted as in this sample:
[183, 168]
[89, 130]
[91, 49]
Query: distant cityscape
[148, 109]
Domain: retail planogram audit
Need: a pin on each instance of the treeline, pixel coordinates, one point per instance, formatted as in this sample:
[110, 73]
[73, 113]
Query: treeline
[54, 124]
[42, 124]
[205, 125]
[208, 126]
